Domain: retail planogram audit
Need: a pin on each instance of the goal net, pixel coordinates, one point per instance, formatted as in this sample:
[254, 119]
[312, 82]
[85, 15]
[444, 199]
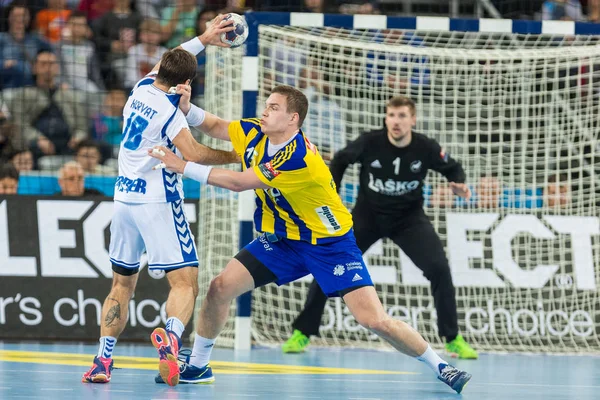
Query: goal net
[519, 111]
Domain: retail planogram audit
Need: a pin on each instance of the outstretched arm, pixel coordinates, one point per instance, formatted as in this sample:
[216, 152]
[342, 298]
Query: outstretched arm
[196, 152]
[232, 180]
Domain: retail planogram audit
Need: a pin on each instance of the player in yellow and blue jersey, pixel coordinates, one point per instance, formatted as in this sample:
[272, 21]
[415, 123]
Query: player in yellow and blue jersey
[305, 229]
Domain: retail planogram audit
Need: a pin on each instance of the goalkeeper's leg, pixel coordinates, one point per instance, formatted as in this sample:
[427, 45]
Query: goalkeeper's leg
[365, 306]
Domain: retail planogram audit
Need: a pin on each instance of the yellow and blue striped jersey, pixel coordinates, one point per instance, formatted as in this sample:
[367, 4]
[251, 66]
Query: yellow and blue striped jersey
[302, 202]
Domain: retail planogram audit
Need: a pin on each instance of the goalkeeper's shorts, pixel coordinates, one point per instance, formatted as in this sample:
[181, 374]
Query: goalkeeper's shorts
[337, 265]
[161, 229]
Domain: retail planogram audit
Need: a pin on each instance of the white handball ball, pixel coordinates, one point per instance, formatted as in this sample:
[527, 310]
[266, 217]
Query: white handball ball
[238, 36]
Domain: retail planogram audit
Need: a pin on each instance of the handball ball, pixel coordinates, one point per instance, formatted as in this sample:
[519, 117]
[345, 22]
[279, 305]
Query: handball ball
[238, 36]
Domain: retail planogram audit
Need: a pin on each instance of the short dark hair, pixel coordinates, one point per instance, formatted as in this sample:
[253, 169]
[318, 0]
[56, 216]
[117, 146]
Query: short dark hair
[296, 101]
[77, 14]
[7, 170]
[176, 67]
[402, 101]
[87, 143]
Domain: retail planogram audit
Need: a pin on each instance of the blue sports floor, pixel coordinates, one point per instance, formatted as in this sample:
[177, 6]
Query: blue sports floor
[53, 371]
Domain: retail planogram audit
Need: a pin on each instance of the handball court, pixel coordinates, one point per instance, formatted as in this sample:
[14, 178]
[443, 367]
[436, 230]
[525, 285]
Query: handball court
[53, 371]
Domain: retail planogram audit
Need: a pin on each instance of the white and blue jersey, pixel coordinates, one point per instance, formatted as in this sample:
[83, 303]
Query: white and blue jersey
[151, 118]
[148, 209]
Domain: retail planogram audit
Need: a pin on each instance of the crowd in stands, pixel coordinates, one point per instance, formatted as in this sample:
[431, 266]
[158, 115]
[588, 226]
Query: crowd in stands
[66, 67]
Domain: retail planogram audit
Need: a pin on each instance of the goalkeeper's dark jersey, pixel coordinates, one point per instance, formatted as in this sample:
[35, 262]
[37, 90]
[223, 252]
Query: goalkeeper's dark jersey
[392, 178]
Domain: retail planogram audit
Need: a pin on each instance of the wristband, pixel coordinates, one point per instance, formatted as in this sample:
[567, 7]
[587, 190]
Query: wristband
[195, 116]
[197, 172]
[193, 46]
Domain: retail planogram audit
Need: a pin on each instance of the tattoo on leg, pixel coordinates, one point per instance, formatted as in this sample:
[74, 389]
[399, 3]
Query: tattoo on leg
[113, 313]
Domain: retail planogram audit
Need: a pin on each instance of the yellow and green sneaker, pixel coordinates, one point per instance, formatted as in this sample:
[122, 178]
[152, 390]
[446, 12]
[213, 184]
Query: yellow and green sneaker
[461, 349]
[297, 343]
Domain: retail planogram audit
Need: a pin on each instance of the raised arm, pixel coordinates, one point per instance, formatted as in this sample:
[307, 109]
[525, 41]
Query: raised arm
[212, 36]
[345, 157]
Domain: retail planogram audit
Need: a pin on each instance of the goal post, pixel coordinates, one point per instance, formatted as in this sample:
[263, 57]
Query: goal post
[514, 101]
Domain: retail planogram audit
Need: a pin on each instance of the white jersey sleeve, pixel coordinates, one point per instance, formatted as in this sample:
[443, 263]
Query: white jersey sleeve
[151, 117]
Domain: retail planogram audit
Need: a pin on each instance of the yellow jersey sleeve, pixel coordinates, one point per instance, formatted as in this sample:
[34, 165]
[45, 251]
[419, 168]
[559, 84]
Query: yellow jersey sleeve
[239, 131]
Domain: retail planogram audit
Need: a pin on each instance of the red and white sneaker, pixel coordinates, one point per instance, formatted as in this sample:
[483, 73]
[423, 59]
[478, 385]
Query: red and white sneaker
[167, 347]
[100, 371]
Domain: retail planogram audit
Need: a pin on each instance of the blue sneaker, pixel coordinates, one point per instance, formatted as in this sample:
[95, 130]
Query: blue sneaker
[100, 371]
[188, 373]
[453, 377]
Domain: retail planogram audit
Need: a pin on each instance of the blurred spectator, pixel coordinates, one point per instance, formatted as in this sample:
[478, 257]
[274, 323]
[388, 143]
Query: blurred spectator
[151, 8]
[9, 179]
[34, 6]
[89, 156]
[358, 7]
[51, 118]
[557, 193]
[95, 9]
[71, 180]
[442, 197]
[18, 49]
[108, 125]
[179, 22]
[566, 10]
[115, 34]
[324, 123]
[204, 16]
[9, 137]
[593, 10]
[51, 21]
[79, 63]
[488, 192]
[21, 159]
[144, 56]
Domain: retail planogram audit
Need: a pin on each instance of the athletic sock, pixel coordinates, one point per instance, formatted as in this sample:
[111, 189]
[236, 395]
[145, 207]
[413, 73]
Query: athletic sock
[201, 352]
[107, 345]
[431, 358]
[175, 326]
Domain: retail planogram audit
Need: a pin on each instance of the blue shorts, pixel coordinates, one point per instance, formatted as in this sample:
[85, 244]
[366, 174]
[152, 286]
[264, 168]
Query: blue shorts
[336, 265]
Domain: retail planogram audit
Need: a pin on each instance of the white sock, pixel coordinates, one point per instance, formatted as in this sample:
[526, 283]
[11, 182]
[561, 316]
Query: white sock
[201, 352]
[176, 326]
[107, 345]
[431, 358]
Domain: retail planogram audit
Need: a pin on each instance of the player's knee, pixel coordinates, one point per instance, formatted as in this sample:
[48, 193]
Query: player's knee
[374, 323]
[218, 289]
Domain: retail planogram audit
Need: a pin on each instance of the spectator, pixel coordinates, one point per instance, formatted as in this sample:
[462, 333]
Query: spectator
[89, 156]
[51, 21]
[324, 123]
[108, 125]
[71, 180]
[9, 136]
[488, 192]
[51, 118]
[179, 22]
[358, 7]
[94, 9]
[144, 56]
[21, 159]
[151, 9]
[566, 10]
[204, 16]
[557, 193]
[78, 56]
[9, 179]
[18, 49]
[115, 34]
[442, 197]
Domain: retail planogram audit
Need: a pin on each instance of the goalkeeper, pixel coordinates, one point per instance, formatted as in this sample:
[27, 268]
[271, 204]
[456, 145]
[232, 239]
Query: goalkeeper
[394, 163]
[305, 229]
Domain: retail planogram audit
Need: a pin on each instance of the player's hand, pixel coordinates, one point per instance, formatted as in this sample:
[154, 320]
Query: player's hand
[168, 159]
[214, 29]
[461, 190]
[186, 94]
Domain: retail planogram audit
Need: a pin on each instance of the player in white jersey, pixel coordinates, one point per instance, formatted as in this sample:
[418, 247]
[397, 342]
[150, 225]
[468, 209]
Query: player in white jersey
[148, 207]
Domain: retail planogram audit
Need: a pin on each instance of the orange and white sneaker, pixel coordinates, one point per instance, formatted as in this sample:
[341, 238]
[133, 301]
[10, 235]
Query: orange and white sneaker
[167, 347]
[100, 371]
